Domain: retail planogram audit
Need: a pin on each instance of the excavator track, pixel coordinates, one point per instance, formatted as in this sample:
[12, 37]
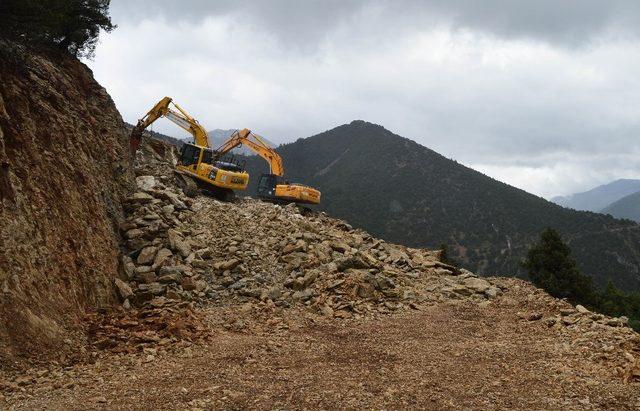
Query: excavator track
[223, 194]
[192, 187]
[187, 184]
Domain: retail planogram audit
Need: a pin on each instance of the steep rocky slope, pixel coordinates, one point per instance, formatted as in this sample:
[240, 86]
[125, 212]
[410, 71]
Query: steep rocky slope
[253, 305]
[64, 167]
[406, 193]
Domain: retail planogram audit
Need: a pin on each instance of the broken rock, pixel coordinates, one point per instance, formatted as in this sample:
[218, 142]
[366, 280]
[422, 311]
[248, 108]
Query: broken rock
[162, 256]
[227, 265]
[147, 255]
[124, 290]
[478, 285]
[146, 182]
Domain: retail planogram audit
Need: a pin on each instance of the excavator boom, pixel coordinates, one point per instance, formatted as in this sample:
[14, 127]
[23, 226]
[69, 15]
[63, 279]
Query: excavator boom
[257, 145]
[180, 118]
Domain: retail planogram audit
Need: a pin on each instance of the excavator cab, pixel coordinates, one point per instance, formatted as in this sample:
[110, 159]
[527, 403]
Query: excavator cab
[189, 154]
[198, 165]
[267, 186]
[218, 177]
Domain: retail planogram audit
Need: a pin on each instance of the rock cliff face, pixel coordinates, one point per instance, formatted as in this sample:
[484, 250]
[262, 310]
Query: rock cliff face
[64, 165]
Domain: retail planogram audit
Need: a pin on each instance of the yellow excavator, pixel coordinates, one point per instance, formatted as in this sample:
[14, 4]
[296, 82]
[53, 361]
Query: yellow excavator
[272, 187]
[198, 164]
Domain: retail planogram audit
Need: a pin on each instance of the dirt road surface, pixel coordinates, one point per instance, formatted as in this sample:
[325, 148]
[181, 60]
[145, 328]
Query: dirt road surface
[446, 356]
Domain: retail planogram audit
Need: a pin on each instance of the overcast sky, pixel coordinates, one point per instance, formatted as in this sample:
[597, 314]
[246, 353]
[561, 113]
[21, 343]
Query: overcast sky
[543, 95]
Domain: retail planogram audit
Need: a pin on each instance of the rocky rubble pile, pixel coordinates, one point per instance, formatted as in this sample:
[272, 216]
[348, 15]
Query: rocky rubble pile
[147, 329]
[201, 251]
[588, 335]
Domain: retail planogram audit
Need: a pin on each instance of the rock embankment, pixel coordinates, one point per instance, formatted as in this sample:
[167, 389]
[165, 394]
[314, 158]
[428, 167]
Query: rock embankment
[202, 250]
[64, 168]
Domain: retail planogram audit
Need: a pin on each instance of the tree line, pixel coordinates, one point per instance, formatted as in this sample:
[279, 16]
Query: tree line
[70, 25]
[551, 267]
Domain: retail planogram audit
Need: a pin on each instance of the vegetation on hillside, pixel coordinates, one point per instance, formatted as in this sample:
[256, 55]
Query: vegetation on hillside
[551, 267]
[406, 193]
[71, 25]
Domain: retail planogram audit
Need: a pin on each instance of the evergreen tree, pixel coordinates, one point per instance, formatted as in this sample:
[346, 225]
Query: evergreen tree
[551, 267]
[72, 25]
[444, 255]
[611, 299]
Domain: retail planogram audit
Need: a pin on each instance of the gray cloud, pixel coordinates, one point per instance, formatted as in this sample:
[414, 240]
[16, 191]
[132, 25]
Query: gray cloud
[566, 22]
[571, 22]
[540, 94]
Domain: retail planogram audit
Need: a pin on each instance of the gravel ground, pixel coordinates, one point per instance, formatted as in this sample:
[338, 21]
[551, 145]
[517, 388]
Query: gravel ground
[445, 356]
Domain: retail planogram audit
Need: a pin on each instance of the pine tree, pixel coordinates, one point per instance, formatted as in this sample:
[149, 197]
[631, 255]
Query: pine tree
[444, 255]
[551, 267]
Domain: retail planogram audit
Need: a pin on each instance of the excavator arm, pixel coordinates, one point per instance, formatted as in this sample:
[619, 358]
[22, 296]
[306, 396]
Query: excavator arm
[272, 186]
[179, 117]
[257, 145]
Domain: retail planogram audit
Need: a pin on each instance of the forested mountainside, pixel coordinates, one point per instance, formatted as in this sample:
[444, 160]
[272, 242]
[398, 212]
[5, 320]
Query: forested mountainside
[404, 192]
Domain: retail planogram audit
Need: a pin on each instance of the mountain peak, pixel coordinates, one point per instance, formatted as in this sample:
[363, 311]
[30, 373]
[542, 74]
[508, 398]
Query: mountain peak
[403, 192]
[364, 124]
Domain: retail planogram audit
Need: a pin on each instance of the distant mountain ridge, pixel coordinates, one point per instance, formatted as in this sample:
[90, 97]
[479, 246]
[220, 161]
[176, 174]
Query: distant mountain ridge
[627, 207]
[406, 193]
[218, 136]
[599, 197]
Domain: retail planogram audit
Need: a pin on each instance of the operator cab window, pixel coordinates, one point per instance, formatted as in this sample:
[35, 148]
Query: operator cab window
[207, 156]
[190, 154]
[266, 185]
